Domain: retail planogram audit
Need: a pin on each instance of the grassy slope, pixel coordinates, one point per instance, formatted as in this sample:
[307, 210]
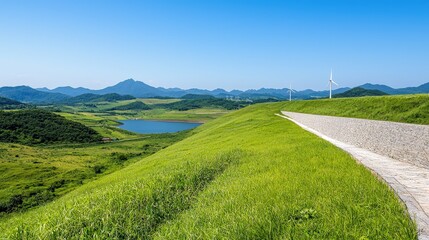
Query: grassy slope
[39, 174]
[104, 126]
[247, 175]
[406, 108]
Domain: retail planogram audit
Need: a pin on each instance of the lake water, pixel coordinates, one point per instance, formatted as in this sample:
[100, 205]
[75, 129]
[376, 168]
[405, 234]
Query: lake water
[148, 126]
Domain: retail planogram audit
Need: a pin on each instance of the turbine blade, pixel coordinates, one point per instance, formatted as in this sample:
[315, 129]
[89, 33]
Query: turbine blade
[334, 82]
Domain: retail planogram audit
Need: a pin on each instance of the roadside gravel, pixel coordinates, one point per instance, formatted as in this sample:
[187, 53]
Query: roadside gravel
[404, 142]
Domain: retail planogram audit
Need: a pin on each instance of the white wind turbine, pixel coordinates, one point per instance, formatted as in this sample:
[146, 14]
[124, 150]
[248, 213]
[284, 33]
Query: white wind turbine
[330, 85]
[290, 92]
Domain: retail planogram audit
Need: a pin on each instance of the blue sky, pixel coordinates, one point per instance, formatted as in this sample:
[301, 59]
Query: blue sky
[231, 44]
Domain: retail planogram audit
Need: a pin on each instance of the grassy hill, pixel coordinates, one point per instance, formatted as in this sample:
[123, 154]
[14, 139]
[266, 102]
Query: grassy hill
[406, 108]
[197, 96]
[90, 97]
[359, 92]
[6, 103]
[39, 126]
[34, 175]
[246, 175]
[137, 105]
[188, 104]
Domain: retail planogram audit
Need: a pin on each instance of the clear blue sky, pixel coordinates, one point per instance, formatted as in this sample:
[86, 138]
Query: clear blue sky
[231, 44]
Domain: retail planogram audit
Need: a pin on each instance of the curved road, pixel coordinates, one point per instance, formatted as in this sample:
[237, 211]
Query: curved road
[397, 152]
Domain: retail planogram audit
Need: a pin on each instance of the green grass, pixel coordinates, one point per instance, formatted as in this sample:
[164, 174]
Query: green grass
[31, 176]
[246, 175]
[406, 108]
[105, 126]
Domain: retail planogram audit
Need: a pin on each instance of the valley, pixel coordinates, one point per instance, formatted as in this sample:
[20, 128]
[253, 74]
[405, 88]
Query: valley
[42, 161]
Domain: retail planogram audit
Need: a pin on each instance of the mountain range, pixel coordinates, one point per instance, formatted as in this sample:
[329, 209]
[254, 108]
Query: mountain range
[141, 89]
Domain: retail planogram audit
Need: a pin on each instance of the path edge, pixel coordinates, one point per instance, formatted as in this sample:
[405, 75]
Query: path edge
[412, 206]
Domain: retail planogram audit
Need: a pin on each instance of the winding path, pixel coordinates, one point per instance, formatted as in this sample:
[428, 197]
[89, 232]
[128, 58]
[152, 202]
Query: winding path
[397, 152]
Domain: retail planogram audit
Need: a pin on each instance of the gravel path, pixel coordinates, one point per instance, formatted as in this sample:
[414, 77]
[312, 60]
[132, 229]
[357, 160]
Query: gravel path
[400, 141]
[404, 168]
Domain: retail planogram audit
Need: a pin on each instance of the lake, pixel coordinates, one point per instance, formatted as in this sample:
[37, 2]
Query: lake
[148, 126]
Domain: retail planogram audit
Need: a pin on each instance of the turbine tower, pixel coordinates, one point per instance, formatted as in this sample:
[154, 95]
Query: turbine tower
[290, 92]
[330, 85]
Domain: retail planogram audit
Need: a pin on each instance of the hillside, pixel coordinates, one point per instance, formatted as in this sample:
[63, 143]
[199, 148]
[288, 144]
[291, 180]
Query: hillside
[29, 95]
[6, 103]
[406, 108]
[90, 97]
[197, 96]
[137, 105]
[34, 175]
[359, 92]
[188, 104]
[242, 176]
[39, 126]
[424, 88]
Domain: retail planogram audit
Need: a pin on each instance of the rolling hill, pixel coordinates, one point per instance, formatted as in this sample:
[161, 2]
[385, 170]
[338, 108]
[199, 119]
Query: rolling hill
[404, 108]
[137, 105]
[39, 126]
[90, 97]
[241, 176]
[424, 88]
[359, 92]
[6, 103]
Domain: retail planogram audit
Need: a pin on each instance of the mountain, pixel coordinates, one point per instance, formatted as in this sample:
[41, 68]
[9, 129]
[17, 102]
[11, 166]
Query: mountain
[133, 88]
[90, 97]
[29, 95]
[424, 88]
[379, 87]
[359, 92]
[67, 90]
[140, 89]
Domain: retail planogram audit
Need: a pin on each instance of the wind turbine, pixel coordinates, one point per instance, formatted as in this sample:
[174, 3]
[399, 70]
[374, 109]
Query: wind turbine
[290, 92]
[330, 85]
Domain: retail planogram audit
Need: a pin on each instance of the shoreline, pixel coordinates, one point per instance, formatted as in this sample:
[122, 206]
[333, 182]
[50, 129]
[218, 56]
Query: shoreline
[166, 120]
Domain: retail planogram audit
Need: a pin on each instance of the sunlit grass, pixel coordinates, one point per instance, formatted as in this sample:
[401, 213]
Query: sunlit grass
[406, 108]
[39, 174]
[246, 175]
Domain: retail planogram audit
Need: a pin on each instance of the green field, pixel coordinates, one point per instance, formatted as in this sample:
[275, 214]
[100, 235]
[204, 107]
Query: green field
[246, 175]
[406, 108]
[100, 111]
[33, 175]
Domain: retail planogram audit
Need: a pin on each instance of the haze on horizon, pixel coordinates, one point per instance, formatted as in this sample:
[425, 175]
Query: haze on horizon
[230, 44]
